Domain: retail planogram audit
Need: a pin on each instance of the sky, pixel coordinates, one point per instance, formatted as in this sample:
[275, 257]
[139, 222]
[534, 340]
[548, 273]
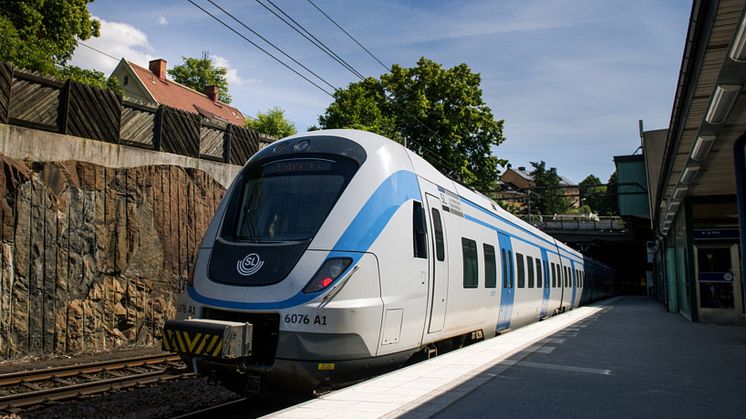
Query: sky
[570, 78]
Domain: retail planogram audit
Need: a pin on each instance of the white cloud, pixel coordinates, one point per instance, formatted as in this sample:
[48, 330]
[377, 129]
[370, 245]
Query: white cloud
[162, 20]
[117, 39]
[232, 74]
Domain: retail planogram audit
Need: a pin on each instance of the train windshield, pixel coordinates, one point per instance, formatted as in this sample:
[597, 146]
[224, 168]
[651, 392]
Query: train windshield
[289, 199]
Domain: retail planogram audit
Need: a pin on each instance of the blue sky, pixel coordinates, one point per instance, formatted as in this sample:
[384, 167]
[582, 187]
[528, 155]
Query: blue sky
[570, 78]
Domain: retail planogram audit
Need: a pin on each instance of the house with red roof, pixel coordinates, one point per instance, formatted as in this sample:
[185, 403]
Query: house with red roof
[151, 85]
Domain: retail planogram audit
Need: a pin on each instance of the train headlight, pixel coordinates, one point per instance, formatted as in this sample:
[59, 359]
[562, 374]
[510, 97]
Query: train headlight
[326, 274]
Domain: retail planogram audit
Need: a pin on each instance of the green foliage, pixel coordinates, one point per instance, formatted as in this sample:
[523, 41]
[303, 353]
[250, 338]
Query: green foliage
[198, 73]
[584, 210]
[438, 112]
[548, 197]
[41, 35]
[593, 193]
[511, 207]
[91, 77]
[272, 123]
[611, 201]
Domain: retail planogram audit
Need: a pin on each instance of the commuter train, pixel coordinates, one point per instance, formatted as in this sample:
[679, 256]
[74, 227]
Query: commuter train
[336, 255]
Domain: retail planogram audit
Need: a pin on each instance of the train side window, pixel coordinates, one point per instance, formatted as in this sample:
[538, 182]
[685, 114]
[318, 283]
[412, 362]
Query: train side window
[471, 265]
[530, 263]
[564, 276]
[559, 276]
[539, 272]
[440, 249]
[510, 275]
[567, 277]
[490, 270]
[420, 230]
[554, 275]
[505, 269]
[521, 271]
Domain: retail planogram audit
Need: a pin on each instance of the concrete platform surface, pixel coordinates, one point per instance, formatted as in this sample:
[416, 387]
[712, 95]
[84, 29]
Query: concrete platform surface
[625, 357]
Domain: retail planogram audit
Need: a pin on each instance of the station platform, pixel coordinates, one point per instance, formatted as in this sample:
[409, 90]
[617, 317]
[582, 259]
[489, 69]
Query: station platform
[625, 356]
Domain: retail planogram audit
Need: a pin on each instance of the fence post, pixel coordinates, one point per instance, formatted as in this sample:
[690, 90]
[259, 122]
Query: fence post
[64, 106]
[157, 132]
[227, 138]
[6, 81]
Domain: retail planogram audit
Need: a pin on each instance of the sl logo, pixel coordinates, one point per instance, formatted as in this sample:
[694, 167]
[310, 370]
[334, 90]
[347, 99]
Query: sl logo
[249, 265]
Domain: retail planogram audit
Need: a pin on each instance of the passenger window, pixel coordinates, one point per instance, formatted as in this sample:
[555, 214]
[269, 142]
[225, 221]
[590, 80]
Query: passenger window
[530, 263]
[538, 273]
[567, 277]
[554, 275]
[471, 266]
[505, 269]
[511, 284]
[440, 250]
[420, 230]
[490, 270]
[521, 271]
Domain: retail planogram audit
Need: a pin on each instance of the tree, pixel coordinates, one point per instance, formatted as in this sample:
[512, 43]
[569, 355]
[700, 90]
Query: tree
[91, 77]
[593, 192]
[547, 197]
[42, 35]
[611, 202]
[272, 123]
[438, 113]
[198, 73]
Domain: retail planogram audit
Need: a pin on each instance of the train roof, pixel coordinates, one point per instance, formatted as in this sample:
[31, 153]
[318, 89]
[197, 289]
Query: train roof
[372, 142]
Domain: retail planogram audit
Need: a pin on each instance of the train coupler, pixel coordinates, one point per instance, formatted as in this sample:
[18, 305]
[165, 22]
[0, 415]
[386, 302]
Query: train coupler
[210, 338]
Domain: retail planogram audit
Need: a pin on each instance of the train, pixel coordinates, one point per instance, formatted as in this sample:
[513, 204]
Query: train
[336, 255]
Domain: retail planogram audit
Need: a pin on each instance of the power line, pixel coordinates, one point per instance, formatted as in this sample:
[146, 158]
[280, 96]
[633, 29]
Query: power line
[273, 45]
[259, 48]
[350, 36]
[311, 38]
[99, 51]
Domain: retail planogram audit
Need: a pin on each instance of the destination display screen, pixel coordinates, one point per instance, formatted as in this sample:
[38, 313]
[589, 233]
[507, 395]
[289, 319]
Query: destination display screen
[297, 166]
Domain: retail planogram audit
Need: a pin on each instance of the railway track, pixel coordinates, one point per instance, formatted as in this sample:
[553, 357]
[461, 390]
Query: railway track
[26, 388]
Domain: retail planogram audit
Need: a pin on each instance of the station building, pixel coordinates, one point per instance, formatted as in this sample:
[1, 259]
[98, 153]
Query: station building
[695, 172]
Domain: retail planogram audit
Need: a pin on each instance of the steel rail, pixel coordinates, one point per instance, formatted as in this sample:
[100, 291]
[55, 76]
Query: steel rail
[43, 374]
[99, 386]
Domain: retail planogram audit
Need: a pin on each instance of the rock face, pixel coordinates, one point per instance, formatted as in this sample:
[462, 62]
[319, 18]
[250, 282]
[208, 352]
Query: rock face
[90, 256]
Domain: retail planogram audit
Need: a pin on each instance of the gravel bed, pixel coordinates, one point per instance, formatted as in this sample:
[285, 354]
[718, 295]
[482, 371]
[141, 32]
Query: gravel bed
[152, 401]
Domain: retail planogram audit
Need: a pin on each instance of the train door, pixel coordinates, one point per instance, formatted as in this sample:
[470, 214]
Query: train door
[439, 268]
[507, 295]
[562, 276]
[573, 282]
[546, 284]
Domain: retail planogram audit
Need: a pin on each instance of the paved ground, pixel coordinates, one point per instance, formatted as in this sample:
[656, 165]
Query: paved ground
[632, 359]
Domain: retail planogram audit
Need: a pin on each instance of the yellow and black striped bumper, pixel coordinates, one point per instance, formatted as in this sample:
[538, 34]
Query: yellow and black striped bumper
[212, 338]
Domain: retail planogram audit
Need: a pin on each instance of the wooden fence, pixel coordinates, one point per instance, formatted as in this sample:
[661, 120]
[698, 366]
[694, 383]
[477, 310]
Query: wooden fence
[31, 100]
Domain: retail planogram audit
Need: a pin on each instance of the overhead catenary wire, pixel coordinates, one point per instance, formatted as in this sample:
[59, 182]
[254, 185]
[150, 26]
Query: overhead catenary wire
[259, 47]
[421, 149]
[297, 27]
[350, 36]
[98, 50]
[273, 45]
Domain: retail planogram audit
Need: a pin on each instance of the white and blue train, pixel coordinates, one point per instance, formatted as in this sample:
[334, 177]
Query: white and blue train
[339, 254]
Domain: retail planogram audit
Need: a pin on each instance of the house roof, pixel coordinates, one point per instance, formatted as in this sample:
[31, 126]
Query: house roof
[526, 175]
[175, 95]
